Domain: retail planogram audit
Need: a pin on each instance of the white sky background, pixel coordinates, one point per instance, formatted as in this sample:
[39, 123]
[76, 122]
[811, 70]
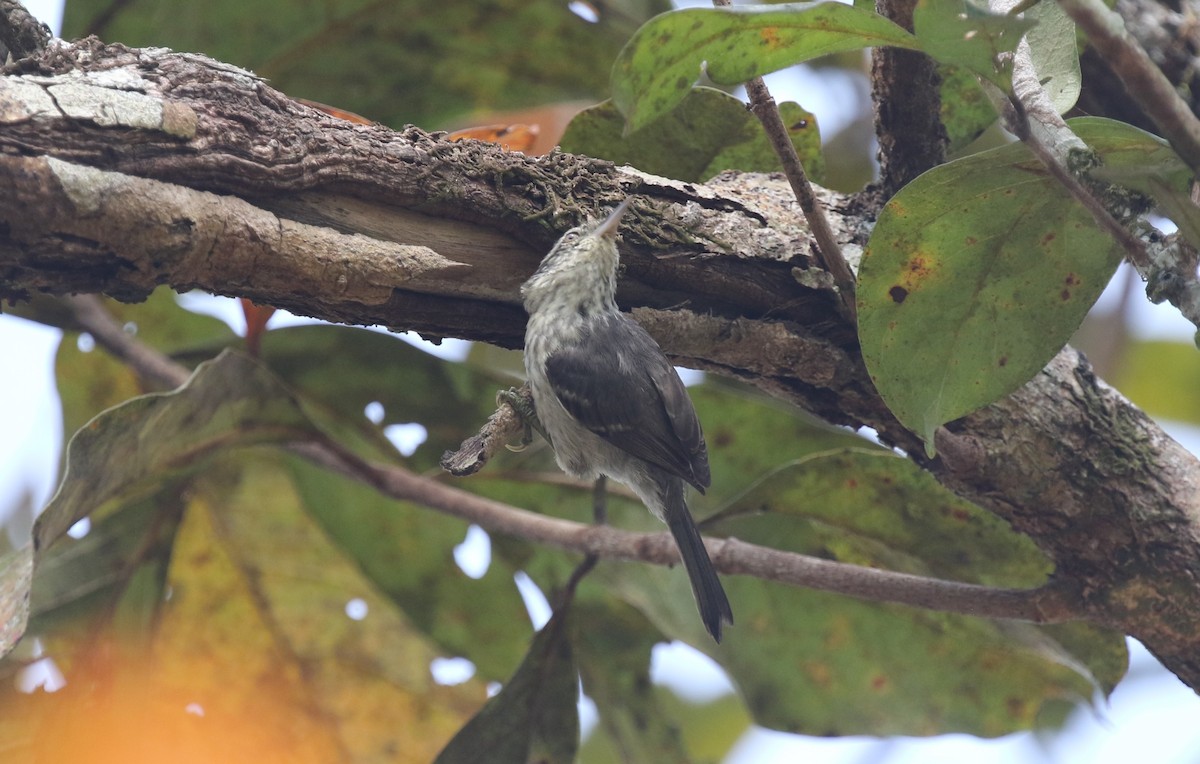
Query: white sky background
[1151, 716]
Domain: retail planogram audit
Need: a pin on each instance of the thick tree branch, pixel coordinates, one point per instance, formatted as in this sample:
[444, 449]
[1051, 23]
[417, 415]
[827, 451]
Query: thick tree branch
[1068, 461]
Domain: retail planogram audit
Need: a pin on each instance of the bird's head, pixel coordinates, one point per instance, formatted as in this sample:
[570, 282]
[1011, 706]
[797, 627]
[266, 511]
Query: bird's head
[581, 267]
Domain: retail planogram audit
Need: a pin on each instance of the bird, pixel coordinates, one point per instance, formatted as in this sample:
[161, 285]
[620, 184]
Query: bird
[610, 402]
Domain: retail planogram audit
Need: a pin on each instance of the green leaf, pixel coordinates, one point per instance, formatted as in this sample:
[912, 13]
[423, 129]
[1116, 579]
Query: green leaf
[613, 646]
[961, 33]
[255, 634]
[1055, 55]
[657, 68]
[114, 575]
[1131, 155]
[874, 508]
[1136, 159]
[966, 111]
[483, 618]
[449, 400]
[710, 132]
[74, 569]
[534, 717]
[265, 589]
[855, 667]
[133, 447]
[976, 274]
[91, 381]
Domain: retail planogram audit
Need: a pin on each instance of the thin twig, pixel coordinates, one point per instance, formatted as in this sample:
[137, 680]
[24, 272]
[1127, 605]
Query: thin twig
[156, 370]
[1046, 604]
[1030, 115]
[1133, 247]
[829, 254]
[1143, 80]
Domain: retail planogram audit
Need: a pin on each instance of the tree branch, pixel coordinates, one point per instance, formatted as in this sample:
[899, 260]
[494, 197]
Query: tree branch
[1030, 115]
[829, 253]
[1068, 461]
[1170, 32]
[1047, 604]
[904, 89]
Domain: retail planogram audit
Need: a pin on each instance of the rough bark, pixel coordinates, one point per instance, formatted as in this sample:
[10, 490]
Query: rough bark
[125, 169]
[908, 120]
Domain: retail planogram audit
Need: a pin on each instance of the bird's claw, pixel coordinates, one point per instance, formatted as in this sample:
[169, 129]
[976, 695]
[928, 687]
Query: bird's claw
[523, 406]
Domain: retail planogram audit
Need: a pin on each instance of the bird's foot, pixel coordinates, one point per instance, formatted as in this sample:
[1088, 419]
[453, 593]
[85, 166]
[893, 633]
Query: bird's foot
[521, 402]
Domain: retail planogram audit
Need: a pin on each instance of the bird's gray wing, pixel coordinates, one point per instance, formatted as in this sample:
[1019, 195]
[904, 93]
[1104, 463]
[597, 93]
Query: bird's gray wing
[617, 383]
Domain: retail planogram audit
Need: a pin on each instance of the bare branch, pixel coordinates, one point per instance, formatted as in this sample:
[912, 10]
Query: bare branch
[1045, 605]
[829, 253]
[155, 368]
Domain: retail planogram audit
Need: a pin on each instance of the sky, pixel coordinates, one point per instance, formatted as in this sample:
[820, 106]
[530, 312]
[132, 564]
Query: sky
[1150, 716]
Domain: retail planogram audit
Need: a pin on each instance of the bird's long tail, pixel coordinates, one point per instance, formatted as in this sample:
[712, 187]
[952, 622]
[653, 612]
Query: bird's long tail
[706, 586]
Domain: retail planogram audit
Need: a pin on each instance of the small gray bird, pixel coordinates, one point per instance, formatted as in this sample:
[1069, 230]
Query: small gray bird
[610, 401]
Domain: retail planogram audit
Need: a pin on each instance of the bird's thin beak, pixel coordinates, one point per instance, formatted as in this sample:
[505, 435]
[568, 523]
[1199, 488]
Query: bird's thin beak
[609, 226]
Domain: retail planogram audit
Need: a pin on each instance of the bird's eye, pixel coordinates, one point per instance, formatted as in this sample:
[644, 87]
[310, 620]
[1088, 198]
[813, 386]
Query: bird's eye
[571, 236]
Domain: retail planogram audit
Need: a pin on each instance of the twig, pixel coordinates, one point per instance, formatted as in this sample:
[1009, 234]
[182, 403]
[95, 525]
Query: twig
[505, 424]
[156, 369]
[1133, 247]
[829, 254]
[1143, 80]
[1030, 115]
[1046, 604]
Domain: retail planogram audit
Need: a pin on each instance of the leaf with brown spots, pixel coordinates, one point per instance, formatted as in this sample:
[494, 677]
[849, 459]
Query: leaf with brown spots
[976, 275]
